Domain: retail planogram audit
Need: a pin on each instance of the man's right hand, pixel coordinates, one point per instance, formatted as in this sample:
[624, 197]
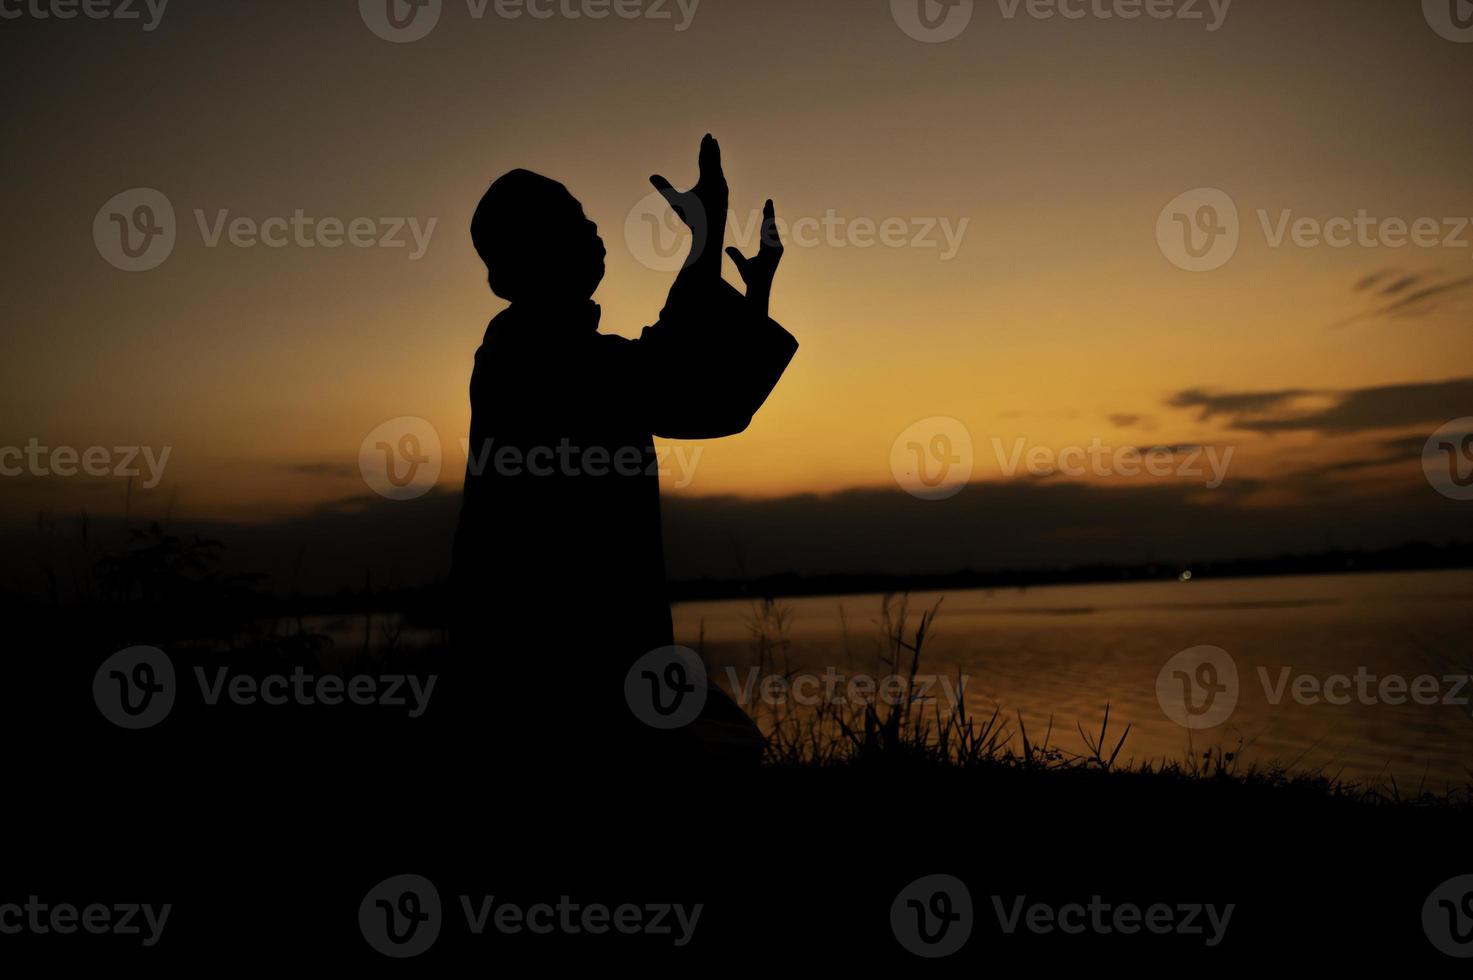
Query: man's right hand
[703, 207]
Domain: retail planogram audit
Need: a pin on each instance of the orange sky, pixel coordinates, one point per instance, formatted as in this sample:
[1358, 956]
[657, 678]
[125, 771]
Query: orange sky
[1057, 143]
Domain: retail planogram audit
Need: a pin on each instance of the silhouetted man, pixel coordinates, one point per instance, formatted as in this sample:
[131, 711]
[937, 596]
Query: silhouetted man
[559, 575]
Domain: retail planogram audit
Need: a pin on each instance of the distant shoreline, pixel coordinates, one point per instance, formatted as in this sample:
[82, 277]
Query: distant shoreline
[424, 602]
[1405, 558]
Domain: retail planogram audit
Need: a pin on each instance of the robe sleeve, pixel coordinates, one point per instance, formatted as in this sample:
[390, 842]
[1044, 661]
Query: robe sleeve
[709, 363]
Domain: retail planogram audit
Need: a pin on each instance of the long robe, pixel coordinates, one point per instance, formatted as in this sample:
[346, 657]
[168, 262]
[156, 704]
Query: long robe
[559, 569]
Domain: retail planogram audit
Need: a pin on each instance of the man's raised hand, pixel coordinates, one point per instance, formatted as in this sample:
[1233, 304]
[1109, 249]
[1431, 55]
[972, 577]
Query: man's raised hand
[703, 207]
[759, 271]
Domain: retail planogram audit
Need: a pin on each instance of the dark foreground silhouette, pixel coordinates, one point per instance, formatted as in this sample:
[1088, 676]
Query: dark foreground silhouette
[560, 524]
[268, 827]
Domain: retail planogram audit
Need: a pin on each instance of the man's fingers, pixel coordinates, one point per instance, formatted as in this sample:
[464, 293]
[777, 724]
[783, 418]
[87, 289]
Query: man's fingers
[739, 259]
[771, 240]
[672, 197]
[710, 161]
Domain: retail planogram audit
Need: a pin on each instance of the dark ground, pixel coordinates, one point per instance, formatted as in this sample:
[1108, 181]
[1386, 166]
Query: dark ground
[266, 832]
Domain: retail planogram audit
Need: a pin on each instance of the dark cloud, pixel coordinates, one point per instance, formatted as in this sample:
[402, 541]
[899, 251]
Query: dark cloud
[1418, 302]
[1234, 403]
[1122, 420]
[1401, 285]
[1180, 449]
[1368, 409]
[1360, 410]
[1408, 302]
[1370, 281]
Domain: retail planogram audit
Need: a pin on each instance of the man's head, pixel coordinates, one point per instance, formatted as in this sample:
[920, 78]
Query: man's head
[537, 244]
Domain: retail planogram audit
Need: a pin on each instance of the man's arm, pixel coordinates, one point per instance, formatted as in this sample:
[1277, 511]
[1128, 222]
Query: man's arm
[713, 358]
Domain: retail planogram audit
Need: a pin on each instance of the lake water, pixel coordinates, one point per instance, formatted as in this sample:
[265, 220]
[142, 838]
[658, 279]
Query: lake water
[1066, 651]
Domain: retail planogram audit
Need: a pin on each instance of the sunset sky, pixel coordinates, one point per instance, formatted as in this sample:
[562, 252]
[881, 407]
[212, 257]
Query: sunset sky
[1051, 145]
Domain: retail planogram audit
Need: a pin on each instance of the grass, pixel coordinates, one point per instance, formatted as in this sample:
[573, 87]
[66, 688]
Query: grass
[902, 735]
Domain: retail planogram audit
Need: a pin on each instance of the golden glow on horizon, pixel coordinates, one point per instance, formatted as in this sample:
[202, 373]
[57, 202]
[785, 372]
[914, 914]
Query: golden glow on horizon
[264, 369]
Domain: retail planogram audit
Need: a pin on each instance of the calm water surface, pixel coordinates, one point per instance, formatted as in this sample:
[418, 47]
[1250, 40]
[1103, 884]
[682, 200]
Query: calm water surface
[1066, 651]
